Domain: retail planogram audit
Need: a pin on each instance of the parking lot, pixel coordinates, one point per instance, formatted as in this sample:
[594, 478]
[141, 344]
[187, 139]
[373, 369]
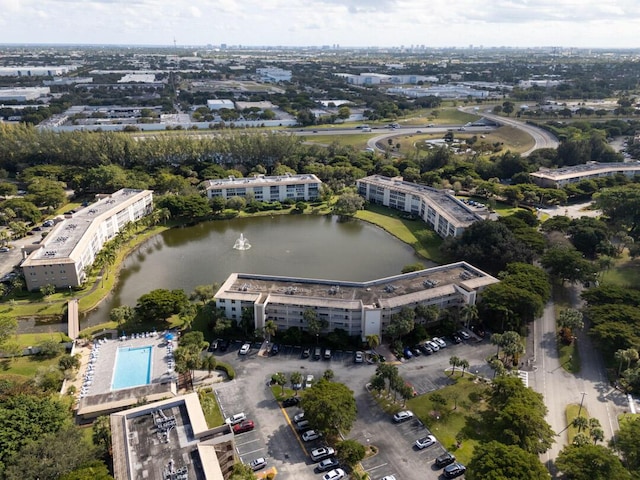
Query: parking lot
[275, 436]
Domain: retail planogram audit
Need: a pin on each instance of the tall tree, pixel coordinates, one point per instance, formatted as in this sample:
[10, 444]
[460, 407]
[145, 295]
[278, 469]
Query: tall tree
[590, 462]
[496, 461]
[330, 407]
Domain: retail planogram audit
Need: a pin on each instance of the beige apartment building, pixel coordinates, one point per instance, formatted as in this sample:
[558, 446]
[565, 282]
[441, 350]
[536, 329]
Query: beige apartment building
[267, 189]
[439, 209]
[73, 243]
[359, 308]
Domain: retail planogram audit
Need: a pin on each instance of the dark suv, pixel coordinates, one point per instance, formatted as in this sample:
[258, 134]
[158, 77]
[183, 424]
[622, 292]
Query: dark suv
[444, 460]
[454, 470]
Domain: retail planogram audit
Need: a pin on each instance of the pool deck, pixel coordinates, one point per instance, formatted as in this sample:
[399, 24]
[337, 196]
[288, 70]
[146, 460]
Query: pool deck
[93, 384]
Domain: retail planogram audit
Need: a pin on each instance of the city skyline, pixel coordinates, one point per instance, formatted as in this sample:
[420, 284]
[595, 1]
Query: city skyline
[348, 23]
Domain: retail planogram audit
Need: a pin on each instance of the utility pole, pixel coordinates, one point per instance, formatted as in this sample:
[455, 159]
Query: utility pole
[581, 402]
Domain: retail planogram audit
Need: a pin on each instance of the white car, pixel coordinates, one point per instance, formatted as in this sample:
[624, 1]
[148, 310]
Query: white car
[434, 346]
[298, 417]
[425, 442]
[237, 418]
[309, 381]
[245, 349]
[302, 425]
[403, 416]
[464, 334]
[321, 453]
[258, 463]
[359, 357]
[441, 343]
[336, 474]
[310, 435]
[389, 477]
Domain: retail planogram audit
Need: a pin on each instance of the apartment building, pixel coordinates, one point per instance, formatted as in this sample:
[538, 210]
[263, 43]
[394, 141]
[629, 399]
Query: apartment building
[267, 189]
[359, 308]
[442, 211]
[73, 243]
[559, 177]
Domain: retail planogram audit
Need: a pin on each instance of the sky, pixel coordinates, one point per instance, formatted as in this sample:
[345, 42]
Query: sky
[358, 23]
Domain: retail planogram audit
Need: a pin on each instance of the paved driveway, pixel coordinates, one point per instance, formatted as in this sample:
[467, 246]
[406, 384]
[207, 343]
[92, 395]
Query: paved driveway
[276, 439]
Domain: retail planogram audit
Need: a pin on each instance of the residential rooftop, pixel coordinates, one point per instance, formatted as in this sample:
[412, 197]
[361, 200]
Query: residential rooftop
[261, 179]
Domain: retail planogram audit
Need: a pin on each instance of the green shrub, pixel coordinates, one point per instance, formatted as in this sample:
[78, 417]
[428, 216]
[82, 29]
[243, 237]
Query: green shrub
[226, 368]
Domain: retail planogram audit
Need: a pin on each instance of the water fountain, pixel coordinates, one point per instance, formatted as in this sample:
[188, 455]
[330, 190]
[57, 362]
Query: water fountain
[242, 243]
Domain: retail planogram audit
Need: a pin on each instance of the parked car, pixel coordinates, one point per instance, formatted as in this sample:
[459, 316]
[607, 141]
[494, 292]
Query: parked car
[327, 354]
[433, 345]
[456, 338]
[298, 417]
[336, 474]
[441, 343]
[213, 346]
[237, 418]
[403, 416]
[328, 464]
[223, 345]
[310, 435]
[258, 463]
[302, 425]
[317, 353]
[407, 352]
[425, 442]
[290, 402]
[464, 334]
[426, 349]
[358, 357]
[388, 477]
[454, 470]
[416, 351]
[4, 249]
[309, 382]
[478, 330]
[48, 223]
[275, 348]
[245, 349]
[444, 460]
[245, 426]
[321, 453]
[306, 352]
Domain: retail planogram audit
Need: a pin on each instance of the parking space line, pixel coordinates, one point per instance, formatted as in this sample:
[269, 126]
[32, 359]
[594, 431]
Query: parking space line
[247, 443]
[377, 466]
[295, 433]
[252, 451]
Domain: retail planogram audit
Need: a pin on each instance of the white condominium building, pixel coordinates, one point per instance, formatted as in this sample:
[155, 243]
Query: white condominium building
[267, 189]
[73, 243]
[559, 177]
[359, 308]
[447, 215]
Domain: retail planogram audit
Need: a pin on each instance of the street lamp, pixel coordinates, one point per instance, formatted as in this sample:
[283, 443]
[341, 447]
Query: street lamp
[581, 402]
[317, 338]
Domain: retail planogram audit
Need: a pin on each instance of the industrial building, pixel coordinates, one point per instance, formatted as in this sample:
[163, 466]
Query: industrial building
[359, 308]
[74, 242]
[439, 209]
[267, 189]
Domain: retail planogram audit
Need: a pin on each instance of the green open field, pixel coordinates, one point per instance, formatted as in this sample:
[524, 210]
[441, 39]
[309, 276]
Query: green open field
[415, 233]
[625, 273]
[22, 369]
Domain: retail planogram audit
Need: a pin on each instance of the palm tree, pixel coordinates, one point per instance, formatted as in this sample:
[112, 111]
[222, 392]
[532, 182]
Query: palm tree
[295, 378]
[580, 423]
[373, 341]
[469, 314]
[328, 375]
[454, 362]
[209, 362]
[619, 356]
[597, 435]
[279, 379]
[464, 363]
[270, 328]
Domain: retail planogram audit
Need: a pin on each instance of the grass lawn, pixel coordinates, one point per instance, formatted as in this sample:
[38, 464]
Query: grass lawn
[513, 138]
[457, 419]
[415, 233]
[626, 272]
[355, 140]
[569, 357]
[32, 339]
[571, 412]
[212, 413]
[24, 368]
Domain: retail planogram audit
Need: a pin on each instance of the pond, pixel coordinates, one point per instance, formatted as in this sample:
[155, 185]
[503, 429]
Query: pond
[291, 245]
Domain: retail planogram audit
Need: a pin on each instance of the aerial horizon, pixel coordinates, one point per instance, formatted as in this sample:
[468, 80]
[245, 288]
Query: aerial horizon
[605, 24]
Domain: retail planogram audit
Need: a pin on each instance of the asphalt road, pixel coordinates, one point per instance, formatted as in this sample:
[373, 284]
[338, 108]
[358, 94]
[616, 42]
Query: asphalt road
[560, 388]
[275, 434]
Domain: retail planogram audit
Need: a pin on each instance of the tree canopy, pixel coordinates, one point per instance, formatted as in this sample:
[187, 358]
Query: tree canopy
[590, 462]
[330, 407]
[160, 304]
[496, 461]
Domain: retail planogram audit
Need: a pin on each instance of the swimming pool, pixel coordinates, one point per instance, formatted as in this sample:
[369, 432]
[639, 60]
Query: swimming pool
[133, 367]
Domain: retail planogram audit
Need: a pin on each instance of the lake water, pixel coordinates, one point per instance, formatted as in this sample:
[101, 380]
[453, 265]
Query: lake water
[292, 245]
